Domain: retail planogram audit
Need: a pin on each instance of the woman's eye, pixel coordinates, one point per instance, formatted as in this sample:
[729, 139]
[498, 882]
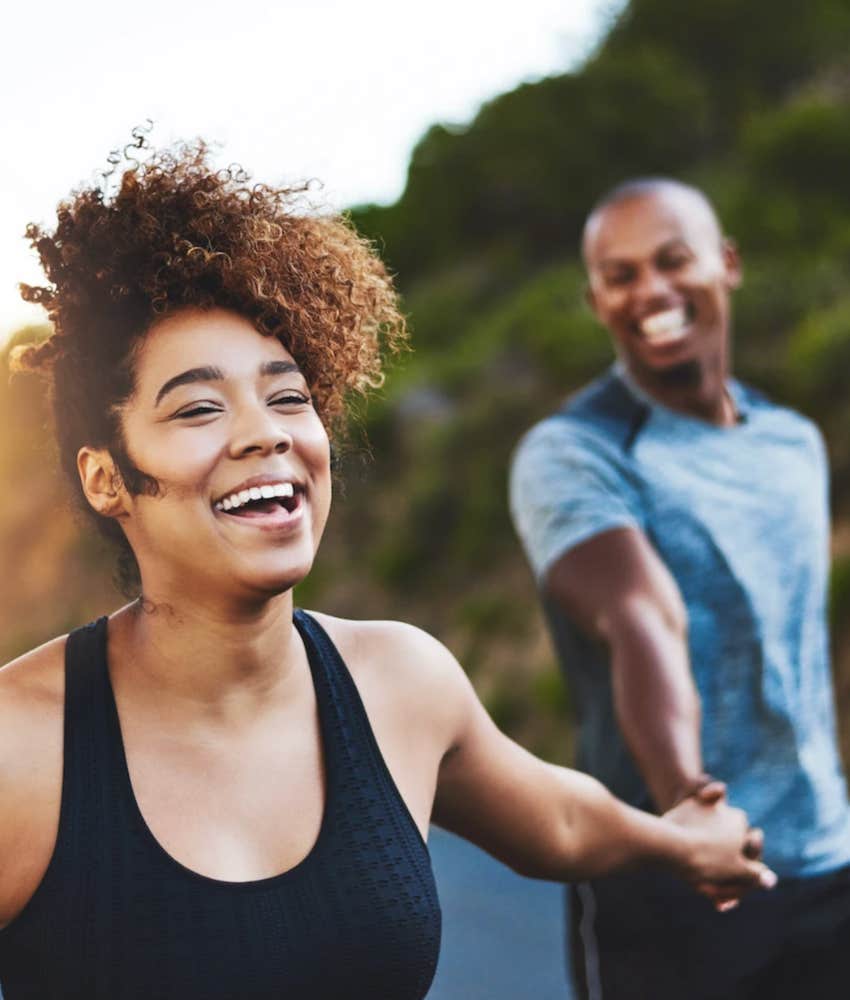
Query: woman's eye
[289, 398]
[197, 411]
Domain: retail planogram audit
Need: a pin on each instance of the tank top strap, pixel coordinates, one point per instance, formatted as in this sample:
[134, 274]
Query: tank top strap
[345, 726]
[91, 782]
[352, 755]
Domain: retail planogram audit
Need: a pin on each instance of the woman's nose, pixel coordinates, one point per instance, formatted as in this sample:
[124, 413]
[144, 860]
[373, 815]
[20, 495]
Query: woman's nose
[261, 431]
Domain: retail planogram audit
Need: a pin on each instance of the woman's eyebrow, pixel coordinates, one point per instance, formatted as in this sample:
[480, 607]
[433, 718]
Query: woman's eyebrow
[279, 368]
[209, 373]
[205, 374]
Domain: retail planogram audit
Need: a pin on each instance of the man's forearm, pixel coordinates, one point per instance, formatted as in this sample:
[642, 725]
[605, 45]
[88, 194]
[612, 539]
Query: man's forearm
[615, 588]
[656, 701]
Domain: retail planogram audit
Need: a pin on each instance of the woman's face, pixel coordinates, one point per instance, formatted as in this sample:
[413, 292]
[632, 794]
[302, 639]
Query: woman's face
[222, 418]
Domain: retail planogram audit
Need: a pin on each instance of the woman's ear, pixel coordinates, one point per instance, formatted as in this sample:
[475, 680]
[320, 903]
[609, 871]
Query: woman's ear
[101, 481]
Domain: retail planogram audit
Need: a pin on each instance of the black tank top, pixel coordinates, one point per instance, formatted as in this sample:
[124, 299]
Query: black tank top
[117, 918]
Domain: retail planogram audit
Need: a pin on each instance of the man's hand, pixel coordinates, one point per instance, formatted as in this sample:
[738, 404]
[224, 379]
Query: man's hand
[726, 850]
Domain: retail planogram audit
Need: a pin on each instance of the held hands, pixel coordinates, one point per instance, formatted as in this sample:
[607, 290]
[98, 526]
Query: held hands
[725, 857]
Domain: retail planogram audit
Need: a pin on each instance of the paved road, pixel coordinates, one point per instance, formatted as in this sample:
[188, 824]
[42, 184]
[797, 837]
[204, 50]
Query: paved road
[501, 933]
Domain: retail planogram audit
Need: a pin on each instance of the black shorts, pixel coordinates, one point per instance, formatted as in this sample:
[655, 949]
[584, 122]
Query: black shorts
[647, 936]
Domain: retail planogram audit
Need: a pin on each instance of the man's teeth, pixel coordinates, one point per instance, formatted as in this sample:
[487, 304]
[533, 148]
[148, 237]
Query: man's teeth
[668, 325]
[269, 492]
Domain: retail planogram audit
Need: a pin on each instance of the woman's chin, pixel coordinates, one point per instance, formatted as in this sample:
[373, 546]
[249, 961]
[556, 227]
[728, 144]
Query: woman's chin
[274, 581]
[244, 582]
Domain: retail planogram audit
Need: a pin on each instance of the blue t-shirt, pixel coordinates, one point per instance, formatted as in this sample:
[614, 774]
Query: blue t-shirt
[739, 515]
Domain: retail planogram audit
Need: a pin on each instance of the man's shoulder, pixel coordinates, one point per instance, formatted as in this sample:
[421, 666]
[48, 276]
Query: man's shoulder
[606, 397]
[602, 415]
[762, 399]
[756, 401]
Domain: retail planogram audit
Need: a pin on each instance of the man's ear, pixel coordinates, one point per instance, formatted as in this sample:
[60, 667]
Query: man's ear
[732, 263]
[590, 299]
[101, 481]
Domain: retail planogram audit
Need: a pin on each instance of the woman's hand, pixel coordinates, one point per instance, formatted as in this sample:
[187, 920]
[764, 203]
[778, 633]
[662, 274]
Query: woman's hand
[724, 862]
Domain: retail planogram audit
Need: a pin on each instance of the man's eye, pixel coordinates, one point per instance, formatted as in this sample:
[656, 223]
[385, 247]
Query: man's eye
[671, 263]
[614, 278]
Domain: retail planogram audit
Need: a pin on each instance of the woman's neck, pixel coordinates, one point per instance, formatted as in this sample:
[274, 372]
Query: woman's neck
[202, 660]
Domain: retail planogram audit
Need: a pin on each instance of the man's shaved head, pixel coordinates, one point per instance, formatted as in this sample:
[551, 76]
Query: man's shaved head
[659, 275]
[650, 187]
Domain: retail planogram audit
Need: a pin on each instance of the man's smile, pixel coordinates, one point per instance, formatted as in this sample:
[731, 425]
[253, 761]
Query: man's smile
[666, 326]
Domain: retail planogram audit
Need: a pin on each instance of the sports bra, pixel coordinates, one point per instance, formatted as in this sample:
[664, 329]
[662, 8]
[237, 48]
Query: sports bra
[117, 918]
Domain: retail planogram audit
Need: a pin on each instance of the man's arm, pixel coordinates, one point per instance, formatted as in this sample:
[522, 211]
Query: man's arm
[616, 588]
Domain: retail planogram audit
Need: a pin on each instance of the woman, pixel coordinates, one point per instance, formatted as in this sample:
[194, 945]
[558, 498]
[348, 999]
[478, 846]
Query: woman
[209, 794]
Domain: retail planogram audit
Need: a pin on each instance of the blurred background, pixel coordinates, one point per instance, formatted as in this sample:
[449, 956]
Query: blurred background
[750, 101]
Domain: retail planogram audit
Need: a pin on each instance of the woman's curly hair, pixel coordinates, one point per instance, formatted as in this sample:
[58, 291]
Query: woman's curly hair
[176, 233]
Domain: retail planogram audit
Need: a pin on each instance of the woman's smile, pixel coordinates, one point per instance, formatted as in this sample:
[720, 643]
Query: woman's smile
[267, 503]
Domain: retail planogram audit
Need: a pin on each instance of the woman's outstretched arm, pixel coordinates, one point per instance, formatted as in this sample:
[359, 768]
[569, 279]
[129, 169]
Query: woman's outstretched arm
[555, 823]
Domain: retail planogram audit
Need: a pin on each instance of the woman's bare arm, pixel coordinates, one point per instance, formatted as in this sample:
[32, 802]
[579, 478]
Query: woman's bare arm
[552, 822]
[31, 727]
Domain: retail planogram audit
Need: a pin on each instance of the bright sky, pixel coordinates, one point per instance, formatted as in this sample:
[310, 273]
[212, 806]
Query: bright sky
[329, 89]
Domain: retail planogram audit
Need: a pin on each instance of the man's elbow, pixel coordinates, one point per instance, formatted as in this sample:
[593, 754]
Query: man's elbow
[641, 614]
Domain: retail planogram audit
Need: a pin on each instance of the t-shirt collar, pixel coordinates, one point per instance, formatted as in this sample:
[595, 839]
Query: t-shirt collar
[733, 387]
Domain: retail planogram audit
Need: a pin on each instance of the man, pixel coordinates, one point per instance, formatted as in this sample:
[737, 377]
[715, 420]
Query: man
[677, 523]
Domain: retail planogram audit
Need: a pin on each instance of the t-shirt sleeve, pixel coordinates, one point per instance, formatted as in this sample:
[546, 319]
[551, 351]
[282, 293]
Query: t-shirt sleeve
[566, 487]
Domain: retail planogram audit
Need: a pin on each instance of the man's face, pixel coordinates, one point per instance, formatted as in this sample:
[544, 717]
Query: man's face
[659, 276]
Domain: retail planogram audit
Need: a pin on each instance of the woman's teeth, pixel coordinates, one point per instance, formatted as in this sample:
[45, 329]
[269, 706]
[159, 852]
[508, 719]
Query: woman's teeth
[269, 492]
[664, 327]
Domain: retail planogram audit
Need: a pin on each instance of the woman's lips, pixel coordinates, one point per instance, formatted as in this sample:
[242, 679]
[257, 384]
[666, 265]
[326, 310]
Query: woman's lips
[268, 513]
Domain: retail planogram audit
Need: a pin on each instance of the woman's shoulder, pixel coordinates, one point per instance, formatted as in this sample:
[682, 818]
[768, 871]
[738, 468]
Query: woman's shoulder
[400, 663]
[35, 679]
[395, 646]
[32, 695]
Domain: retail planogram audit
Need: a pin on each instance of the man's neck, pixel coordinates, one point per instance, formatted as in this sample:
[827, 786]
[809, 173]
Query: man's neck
[691, 389]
